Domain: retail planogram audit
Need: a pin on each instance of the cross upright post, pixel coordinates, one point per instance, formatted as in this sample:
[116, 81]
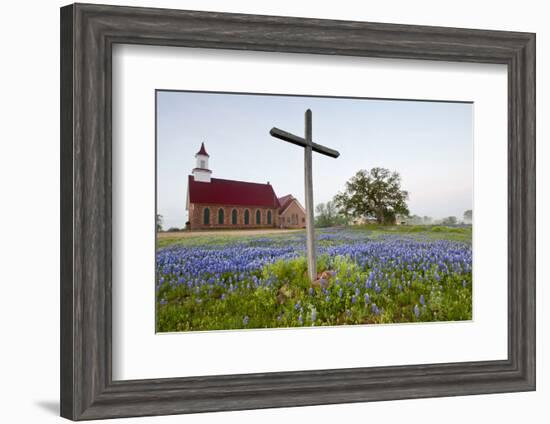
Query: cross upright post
[309, 147]
[308, 177]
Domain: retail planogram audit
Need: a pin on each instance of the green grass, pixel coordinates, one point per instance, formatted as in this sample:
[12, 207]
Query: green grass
[432, 232]
[201, 239]
[462, 234]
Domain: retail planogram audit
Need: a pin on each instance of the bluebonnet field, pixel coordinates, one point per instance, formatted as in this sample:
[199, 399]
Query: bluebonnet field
[367, 275]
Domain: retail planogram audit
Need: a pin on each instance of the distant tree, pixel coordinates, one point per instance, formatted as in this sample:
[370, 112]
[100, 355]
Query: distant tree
[327, 215]
[468, 216]
[173, 229]
[450, 220]
[159, 222]
[373, 194]
[418, 220]
[414, 220]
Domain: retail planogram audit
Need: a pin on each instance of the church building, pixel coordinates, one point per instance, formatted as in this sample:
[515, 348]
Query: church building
[291, 213]
[219, 203]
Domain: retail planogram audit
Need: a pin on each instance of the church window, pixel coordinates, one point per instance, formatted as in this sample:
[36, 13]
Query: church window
[234, 217]
[258, 217]
[268, 217]
[207, 216]
[246, 217]
[220, 216]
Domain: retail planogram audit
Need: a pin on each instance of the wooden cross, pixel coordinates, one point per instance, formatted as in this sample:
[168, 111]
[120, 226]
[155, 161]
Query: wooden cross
[309, 147]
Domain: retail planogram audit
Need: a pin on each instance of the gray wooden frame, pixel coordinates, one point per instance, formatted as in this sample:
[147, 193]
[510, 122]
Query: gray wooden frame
[88, 33]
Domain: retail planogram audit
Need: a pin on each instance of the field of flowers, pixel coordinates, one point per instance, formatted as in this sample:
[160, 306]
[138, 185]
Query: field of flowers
[367, 276]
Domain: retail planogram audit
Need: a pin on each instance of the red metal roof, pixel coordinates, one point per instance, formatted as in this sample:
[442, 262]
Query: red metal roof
[285, 201]
[202, 151]
[231, 192]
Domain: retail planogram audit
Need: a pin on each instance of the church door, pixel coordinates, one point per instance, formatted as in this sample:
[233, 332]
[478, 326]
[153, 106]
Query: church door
[207, 216]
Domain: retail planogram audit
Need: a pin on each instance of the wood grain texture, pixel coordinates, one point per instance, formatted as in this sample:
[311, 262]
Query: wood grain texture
[88, 33]
[311, 248]
[66, 214]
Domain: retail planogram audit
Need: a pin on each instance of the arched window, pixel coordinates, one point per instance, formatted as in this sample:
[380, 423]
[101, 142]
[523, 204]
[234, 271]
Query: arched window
[246, 217]
[220, 216]
[206, 216]
[234, 217]
[258, 217]
[268, 217]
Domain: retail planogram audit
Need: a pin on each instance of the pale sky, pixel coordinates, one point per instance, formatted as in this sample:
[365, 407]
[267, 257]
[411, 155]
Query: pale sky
[429, 143]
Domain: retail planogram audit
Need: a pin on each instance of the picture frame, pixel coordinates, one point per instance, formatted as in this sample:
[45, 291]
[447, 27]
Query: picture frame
[88, 33]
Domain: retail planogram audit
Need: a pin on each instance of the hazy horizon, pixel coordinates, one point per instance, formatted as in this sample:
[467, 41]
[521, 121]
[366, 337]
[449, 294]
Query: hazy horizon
[430, 144]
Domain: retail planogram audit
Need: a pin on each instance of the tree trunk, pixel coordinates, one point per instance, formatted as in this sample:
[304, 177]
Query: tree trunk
[380, 216]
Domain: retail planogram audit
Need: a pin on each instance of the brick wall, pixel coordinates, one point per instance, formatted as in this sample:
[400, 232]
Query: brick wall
[287, 220]
[196, 217]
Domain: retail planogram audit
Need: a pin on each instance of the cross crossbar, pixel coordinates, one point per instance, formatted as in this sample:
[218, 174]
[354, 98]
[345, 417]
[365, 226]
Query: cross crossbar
[299, 141]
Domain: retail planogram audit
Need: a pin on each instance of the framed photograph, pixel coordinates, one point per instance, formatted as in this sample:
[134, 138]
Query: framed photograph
[262, 211]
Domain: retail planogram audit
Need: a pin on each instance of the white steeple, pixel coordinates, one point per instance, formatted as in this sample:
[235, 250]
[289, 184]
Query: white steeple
[201, 172]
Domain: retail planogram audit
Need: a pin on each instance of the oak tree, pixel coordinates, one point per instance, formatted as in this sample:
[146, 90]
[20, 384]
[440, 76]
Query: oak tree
[374, 194]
